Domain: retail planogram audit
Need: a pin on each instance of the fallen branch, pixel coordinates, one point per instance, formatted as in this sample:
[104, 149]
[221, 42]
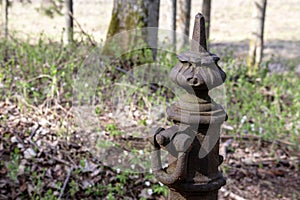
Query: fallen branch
[65, 183]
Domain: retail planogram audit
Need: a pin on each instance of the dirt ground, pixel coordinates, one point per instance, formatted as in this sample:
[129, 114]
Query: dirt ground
[230, 23]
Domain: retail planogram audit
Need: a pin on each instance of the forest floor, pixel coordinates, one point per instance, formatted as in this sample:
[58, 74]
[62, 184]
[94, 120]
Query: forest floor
[36, 161]
[38, 158]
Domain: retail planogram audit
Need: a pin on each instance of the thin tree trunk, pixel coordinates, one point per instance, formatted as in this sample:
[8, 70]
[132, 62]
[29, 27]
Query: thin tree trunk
[5, 18]
[173, 23]
[69, 21]
[152, 9]
[5, 27]
[206, 7]
[183, 21]
[174, 12]
[257, 36]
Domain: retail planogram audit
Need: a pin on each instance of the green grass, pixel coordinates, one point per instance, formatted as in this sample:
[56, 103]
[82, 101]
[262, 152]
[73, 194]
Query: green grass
[39, 72]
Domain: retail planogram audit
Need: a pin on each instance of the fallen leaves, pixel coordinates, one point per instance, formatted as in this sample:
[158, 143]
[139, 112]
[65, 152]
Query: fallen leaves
[41, 155]
[258, 169]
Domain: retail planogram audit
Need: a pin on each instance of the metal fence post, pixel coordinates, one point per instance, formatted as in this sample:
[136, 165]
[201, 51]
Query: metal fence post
[193, 142]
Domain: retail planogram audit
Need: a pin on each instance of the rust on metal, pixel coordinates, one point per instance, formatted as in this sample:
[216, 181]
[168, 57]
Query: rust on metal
[192, 142]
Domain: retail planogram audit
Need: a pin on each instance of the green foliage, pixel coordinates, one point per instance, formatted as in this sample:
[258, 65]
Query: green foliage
[160, 189]
[13, 167]
[38, 72]
[73, 188]
[266, 104]
[113, 130]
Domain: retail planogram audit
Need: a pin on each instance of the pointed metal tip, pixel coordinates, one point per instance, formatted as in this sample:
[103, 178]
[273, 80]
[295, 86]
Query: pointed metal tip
[198, 15]
[199, 36]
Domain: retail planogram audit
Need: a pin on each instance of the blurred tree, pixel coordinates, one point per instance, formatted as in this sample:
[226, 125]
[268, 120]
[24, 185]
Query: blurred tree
[69, 21]
[171, 22]
[5, 18]
[256, 42]
[132, 14]
[183, 21]
[206, 7]
[174, 7]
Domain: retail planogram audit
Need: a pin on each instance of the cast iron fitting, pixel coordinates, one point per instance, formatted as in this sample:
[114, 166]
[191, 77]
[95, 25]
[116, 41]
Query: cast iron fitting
[177, 144]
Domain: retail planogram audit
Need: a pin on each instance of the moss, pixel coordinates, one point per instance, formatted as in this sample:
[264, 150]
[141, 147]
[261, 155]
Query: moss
[134, 20]
[130, 21]
[114, 25]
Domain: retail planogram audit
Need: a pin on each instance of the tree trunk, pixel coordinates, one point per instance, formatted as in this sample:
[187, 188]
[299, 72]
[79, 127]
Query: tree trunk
[69, 21]
[257, 36]
[5, 18]
[133, 14]
[206, 7]
[5, 27]
[183, 21]
[171, 23]
[174, 12]
[152, 17]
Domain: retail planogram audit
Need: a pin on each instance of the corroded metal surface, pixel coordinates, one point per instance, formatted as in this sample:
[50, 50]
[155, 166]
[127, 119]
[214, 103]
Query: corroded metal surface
[193, 142]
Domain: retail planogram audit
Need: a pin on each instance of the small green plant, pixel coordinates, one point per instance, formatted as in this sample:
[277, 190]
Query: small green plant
[13, 165]
[160, 189]
[73, 188]
[113, 130]
[98, 110]
[49, 195]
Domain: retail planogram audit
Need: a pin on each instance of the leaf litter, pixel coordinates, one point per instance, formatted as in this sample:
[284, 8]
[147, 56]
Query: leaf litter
[41, 154]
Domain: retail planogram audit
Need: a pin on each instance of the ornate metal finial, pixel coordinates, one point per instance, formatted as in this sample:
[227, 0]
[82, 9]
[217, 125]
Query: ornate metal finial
[193, 141]
[199, 37]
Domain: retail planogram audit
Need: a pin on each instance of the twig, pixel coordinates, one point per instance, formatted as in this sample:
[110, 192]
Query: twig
[59, 160]
[21, 99]
[71, 160]
[65, 183]
[33, 132]
[39, 77]
[82, 31]
[58, 106]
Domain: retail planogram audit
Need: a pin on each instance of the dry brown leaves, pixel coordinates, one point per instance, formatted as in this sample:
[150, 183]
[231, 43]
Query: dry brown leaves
[258, 169]
[41, 154]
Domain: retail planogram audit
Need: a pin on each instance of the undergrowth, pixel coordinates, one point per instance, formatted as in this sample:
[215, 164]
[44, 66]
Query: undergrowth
[266, 104]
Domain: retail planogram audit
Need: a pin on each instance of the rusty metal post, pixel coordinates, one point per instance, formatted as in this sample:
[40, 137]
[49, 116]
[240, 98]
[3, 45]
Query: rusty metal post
[193, 142]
